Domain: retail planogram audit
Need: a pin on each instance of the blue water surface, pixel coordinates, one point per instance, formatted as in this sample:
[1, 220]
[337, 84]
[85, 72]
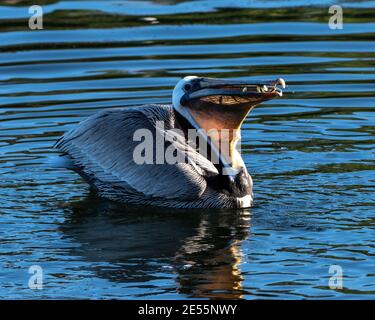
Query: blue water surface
[311, 153]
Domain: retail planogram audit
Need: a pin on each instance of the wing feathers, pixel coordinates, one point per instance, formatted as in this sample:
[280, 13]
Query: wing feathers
[102, 148]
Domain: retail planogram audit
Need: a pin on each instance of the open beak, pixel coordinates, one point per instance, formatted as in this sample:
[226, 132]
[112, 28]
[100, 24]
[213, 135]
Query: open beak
[220, 106]
[226, 92]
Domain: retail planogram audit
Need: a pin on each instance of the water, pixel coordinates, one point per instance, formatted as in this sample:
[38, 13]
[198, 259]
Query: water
[311, 153]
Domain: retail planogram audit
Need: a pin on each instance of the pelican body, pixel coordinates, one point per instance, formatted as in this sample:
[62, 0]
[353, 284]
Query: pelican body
[102, 148]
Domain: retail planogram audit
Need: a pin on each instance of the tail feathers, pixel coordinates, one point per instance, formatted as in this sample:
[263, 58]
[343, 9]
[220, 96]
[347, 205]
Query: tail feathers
[62, 161]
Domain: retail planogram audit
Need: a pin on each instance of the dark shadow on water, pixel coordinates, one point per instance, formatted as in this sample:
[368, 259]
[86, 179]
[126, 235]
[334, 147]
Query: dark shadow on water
[200, 249]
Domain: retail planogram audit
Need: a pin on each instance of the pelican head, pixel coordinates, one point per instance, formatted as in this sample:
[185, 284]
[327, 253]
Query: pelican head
[217, 104]
[221, 104]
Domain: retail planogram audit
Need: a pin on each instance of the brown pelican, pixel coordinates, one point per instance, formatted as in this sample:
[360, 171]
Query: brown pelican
[102, 148]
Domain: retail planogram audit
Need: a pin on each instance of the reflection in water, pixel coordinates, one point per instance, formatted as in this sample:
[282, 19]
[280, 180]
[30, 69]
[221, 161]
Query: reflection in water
[202, 247]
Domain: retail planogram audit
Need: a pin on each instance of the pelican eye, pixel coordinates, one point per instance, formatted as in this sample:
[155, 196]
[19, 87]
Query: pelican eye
[187, 87]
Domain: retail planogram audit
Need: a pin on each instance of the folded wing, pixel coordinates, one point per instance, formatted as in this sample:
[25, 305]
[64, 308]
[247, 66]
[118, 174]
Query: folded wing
[102, 148]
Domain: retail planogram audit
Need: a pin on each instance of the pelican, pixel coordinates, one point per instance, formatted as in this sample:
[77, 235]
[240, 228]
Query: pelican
[102, 147]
